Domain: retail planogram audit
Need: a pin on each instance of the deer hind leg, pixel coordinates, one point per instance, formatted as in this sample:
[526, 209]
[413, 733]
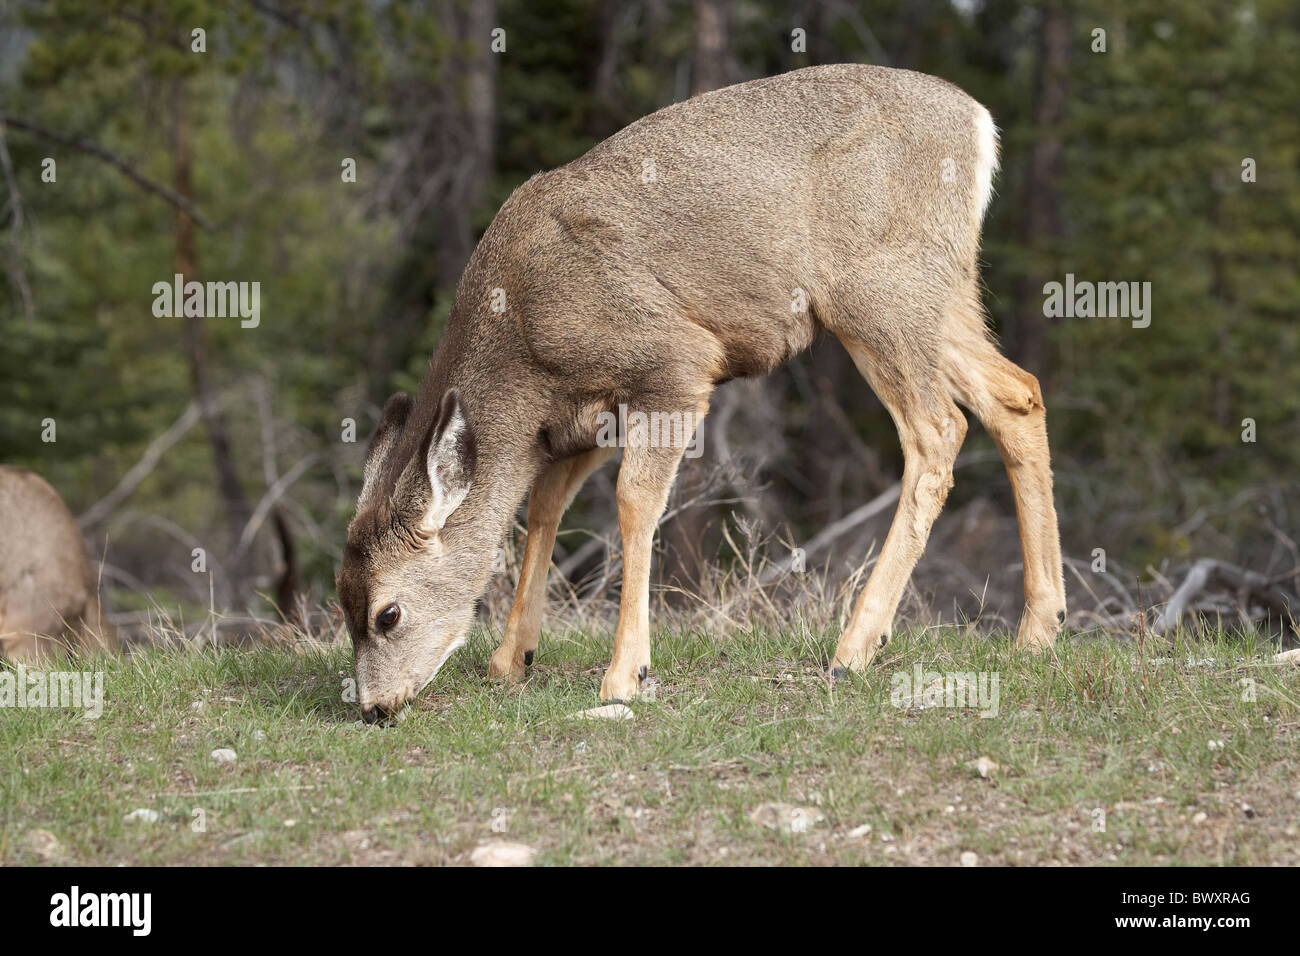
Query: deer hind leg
[644, 480]
[551, 493]
[1009, 403]
[931, 429]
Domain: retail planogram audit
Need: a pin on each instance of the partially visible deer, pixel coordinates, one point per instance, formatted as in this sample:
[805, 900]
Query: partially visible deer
[49, 592]
[713, 239]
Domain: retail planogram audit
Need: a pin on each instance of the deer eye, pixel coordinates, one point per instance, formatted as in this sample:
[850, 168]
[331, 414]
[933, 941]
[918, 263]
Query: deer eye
[388, 617]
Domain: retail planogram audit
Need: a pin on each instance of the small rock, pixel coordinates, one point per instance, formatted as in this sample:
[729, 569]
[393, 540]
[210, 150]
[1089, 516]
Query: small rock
[45, 845]
[984, 766]
[786, 818]
[608, 712]
[1200, 817]
[143, 815]
[223, 755]
[969, 859]
[259, 735]
[502, 853]
[858, 833]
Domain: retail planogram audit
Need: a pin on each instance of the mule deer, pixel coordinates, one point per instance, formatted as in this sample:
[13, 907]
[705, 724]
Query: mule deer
[49, 593]
[713, 239]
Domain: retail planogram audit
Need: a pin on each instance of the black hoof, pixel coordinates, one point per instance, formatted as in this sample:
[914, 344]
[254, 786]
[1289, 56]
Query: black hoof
[640, 676]
[884, 639]
[838, 673]
[528, 658]
[1060, 617]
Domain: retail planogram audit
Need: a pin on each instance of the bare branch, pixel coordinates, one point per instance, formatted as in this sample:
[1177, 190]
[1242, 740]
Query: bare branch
[148, 461]
[268, 501]
[117, 162]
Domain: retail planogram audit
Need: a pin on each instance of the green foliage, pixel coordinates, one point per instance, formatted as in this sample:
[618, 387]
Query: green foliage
[1146, 422]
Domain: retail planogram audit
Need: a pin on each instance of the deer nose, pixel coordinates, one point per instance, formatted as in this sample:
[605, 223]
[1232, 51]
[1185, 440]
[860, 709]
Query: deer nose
[373, 713]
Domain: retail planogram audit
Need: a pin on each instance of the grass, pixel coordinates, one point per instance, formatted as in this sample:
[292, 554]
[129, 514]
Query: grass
[1170, 755]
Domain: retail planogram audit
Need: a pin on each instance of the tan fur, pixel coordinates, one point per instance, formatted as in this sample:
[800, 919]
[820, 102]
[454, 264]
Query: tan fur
[49, 595]
[670, 258]
[550, 495]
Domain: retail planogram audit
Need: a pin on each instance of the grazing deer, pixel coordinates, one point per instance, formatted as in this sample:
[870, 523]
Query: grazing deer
[49, 593]
[713, 239]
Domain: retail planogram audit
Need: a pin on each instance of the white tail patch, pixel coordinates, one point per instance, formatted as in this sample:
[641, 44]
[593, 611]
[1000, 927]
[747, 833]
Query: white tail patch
[986, 134]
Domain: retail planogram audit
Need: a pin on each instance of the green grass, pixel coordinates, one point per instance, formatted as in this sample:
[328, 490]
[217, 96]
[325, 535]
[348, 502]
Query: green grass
[737, 722]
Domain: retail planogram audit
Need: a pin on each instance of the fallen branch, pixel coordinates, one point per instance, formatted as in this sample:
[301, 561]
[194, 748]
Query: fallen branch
[1206, 571]
[838, 529]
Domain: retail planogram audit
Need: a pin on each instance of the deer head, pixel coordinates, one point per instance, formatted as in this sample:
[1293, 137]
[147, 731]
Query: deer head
[409, 581]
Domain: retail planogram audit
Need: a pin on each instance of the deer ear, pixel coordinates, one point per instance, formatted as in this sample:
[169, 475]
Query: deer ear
[446, 465]
[396, 410]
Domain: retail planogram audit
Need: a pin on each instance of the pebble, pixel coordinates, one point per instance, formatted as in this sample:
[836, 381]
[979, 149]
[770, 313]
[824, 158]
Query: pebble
[608, 712]
[786, 818]
[502, 853]
[45, 845]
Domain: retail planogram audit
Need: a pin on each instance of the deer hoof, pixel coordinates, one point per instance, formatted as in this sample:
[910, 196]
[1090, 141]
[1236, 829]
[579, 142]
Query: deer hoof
[621, 686]
[1037, 633]
[506, 666]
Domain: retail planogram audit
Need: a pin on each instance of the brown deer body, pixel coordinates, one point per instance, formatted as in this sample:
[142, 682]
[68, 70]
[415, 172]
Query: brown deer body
[49, 592]
[713, 239]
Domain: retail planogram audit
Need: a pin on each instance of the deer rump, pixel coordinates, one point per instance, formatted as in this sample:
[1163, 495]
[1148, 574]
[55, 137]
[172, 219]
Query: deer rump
[49, 595]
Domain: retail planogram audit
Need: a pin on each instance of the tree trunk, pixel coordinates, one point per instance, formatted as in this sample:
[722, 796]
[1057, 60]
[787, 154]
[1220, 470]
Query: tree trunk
[473, 145]
[711, 55]
[1042, 197]
[446, 179]
[229, 488]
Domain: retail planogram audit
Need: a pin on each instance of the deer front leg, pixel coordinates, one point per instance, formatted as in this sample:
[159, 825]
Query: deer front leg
[643, 484]
[551, 493]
